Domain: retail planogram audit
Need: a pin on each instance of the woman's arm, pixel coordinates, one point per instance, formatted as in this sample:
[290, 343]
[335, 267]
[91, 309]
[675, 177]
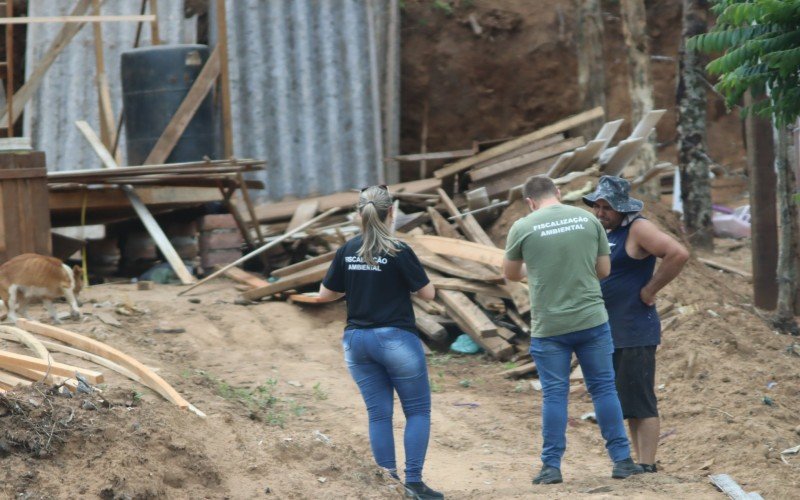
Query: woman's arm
[328, 295]
[427, 292]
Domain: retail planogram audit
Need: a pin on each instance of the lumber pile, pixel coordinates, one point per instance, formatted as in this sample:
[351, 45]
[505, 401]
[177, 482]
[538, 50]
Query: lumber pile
[463, 262]
[20, 369]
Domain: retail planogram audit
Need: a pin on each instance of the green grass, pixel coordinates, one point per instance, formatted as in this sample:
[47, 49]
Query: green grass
[319, 392]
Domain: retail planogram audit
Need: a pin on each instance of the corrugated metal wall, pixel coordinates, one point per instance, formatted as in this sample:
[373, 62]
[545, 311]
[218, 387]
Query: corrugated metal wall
[307, 87]
[68, 92]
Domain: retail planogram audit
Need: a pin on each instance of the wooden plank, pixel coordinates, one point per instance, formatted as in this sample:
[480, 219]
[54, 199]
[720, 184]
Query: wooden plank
[306, 277]
[441, 226]
[520, 370]
[428, 306]
[492, 304]
[429, 326]
[528, 148]
[28, 340]
[469, 286]
[468, 224]
[304, 213]
[468, 250]
[579, 160]
[241, 276]
[190, 104]
[148, 376]
[504, 167]
[495, 346]
[299, 266]
[440, 155]
[39, 376]
[272, 212]
[500, 185]
[77, 19]
[107, 122]
[446, 266]
[140, 208]
[558, 127]
[730, 487]
[8, 360]
[12, 381]
[727, 269]
[460, 304]
[60, 42]
[308, 298]
[515, 317]
[23, 173]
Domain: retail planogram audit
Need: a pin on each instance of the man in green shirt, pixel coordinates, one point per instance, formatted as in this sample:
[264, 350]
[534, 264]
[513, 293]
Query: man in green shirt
[563, 251]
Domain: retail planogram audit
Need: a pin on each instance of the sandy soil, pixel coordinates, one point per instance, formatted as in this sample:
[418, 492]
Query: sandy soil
[308, 438]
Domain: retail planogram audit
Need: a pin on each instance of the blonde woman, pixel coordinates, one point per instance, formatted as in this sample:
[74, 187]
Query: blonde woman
[377, 274]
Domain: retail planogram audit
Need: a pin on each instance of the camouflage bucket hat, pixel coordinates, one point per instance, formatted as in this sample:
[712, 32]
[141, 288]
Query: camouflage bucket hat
[616, 191]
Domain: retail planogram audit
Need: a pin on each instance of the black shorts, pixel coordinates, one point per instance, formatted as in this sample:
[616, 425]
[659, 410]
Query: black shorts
[635, 369]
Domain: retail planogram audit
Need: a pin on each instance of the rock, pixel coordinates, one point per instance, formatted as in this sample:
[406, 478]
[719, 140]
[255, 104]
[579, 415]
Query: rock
[797, 430]
[240, 301]
[194, 300]
[165, 328]
[294, 383]
[144, 285]
[107, 318]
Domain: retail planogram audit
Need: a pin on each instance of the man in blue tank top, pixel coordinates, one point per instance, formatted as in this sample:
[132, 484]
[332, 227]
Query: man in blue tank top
[629, 293]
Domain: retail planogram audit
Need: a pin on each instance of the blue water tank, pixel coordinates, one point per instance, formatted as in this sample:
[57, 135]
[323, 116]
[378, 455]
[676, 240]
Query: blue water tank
[155, 80]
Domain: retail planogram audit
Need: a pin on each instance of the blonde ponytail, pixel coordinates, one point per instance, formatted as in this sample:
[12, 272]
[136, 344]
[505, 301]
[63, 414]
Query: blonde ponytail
[373, 206]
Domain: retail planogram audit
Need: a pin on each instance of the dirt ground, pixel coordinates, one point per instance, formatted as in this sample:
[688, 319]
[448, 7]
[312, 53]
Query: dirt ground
[286, 421]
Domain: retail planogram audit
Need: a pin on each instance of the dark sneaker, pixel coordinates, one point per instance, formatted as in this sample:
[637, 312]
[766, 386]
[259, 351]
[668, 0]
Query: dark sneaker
[649, 467]
[548, 475]
[421, 491]
[626, 468]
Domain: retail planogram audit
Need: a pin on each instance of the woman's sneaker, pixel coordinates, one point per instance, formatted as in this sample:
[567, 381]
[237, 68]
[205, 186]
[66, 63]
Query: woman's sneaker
[421, 491]
[548, 475]
[626, 468]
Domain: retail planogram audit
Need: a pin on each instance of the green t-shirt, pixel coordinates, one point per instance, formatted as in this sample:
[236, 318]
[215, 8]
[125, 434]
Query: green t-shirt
[560, 245]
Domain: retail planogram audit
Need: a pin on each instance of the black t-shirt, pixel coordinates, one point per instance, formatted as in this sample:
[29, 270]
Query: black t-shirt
[377, 296]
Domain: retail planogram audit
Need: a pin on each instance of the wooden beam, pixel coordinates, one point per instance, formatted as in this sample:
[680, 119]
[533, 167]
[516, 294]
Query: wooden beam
[304, 212]
[76, 19]
[441, 155]
[62, 39]
[144, 214]
[460, 304]
[558, 127]
[148, 376]
[242, 276]
[306, 277]
[271, 212]
[11, 381]
[441, 226]
[154, 34]
[107, 122]
[728, 269]
[299, 266]
[429, 326]
[468, 250]
[190, 104]
[28, 340]
[10, 360]
[468, 224]
[520, 370]
[428, 306]
[469, 286]
[517, 162]
[224, 80]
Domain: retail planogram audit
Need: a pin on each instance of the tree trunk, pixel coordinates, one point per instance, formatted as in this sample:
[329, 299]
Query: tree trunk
[591, 64]
[763, 208]
[787, 246]
[634, 28]
[692, 157]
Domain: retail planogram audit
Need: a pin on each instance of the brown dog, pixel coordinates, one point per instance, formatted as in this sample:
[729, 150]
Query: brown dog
[31, 276]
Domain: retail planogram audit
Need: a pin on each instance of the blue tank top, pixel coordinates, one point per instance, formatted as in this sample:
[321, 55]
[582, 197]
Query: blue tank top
[633, 323]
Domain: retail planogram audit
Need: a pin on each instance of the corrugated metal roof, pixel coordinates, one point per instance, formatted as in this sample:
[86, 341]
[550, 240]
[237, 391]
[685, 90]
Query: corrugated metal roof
[303, 92]
[68, 92]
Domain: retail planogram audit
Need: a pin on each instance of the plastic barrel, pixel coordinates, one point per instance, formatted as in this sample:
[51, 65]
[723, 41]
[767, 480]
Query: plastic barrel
[155, 80]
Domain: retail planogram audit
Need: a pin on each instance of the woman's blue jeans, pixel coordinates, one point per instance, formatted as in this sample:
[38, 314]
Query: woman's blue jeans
[381, 361]
[553, 356]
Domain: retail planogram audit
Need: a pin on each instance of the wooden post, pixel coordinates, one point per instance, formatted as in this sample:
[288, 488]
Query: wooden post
[103, 93]
[224, 81]
[156, 39]
[763, 209]
[10, 66]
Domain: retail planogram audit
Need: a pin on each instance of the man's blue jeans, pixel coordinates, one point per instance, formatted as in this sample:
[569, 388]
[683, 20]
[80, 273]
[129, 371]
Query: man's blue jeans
[382, 360]
[553, 356]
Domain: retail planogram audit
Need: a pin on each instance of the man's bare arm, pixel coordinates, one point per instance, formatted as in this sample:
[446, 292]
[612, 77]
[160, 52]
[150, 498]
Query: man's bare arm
[514, 270]
[673, 256]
